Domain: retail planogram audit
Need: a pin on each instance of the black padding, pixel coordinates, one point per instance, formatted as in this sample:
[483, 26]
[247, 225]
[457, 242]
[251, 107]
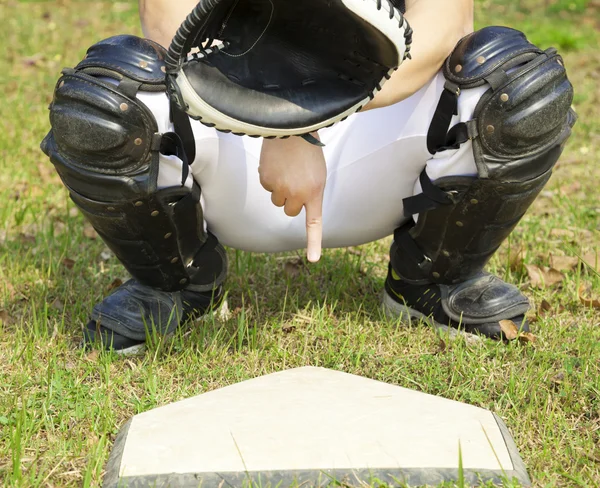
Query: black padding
[156, 237]
[105, 146]
[485, 51]
[100, 134]
[459, 238]
[127, 57]
[529, 116]
[520, 123]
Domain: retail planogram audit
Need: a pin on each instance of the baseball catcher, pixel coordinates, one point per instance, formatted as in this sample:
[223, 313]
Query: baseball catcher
[273, 125]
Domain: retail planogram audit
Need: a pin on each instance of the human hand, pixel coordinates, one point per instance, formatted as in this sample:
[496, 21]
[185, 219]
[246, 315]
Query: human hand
[295, 173]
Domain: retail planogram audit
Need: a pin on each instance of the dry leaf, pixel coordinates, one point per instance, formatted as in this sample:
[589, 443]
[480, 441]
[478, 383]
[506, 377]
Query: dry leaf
[510, 329]
[542, 277]
[114, 285]
[57, 305]
[68, 263]
[587, 299]
[293, 267]
[89, 231]
[516, 256]
[562, 233]
[527, 337]
[592, 259]
[544, 307]
[9, 289]
[92, 355]
[4, 317]
[26, 238]
[563, 263]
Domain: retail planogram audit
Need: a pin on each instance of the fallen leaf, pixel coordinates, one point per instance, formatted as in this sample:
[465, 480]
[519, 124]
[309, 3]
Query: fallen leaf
[563, 263]
[114, 285]
[35, 60]
[26, 238]
[92, 355]
[562, 233]
[57, 305]
[587, 299]
[293, 267]
[4, 317]
[544, 307]
[68, 263]
[592, 259]
[510, 329]
[89, 231]
[543, 277]
[288, 328]
[516, 256]
[527, 337]
[8, 289]
[569, 189]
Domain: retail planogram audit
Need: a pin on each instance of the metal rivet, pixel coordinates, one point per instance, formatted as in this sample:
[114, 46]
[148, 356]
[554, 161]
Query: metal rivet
[183, 281]
[458, 68]
[163, 69]
[139, 203]
[110, 209]
[490, 129]
[480, 60]
[124, 107]
[143, 64]
[155, 213]
[138, 142]
[446, 253]
[474, 201]
[435, 274]
[167, 235]
[174, 260]
[504, 97]
[459, 224]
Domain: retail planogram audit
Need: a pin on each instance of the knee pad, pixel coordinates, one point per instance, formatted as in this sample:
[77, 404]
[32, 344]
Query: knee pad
[105, 145]
[518, 130]
[521, 122]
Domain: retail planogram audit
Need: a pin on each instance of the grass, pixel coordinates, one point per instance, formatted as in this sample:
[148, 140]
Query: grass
[60, 409]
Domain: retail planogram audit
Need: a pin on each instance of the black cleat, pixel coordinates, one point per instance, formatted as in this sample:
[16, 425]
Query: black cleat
[474, 307]
[123, 320]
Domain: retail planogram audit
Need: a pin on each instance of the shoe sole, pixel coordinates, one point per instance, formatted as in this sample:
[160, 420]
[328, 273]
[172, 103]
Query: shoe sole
[394, 310]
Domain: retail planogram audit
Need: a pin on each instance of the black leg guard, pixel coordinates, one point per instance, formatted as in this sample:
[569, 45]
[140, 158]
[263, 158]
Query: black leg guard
[518, 131]
[105, 146]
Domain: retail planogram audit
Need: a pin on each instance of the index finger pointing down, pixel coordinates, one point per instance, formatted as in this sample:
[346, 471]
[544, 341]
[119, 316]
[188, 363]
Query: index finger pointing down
[314, 228]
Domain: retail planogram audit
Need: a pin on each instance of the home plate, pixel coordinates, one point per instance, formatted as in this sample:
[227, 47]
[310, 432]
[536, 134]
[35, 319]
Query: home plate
[312, 427]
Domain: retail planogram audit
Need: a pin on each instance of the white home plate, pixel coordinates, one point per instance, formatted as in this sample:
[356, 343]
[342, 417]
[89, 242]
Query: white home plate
[311, 427]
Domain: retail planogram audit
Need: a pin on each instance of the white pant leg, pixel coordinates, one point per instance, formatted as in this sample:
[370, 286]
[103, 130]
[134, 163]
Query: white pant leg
[373, 160]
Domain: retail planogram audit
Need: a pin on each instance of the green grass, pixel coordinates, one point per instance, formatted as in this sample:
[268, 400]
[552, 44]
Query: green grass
[60, 409]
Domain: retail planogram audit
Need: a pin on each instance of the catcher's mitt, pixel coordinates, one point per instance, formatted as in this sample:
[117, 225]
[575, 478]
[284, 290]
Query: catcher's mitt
[276, 68]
